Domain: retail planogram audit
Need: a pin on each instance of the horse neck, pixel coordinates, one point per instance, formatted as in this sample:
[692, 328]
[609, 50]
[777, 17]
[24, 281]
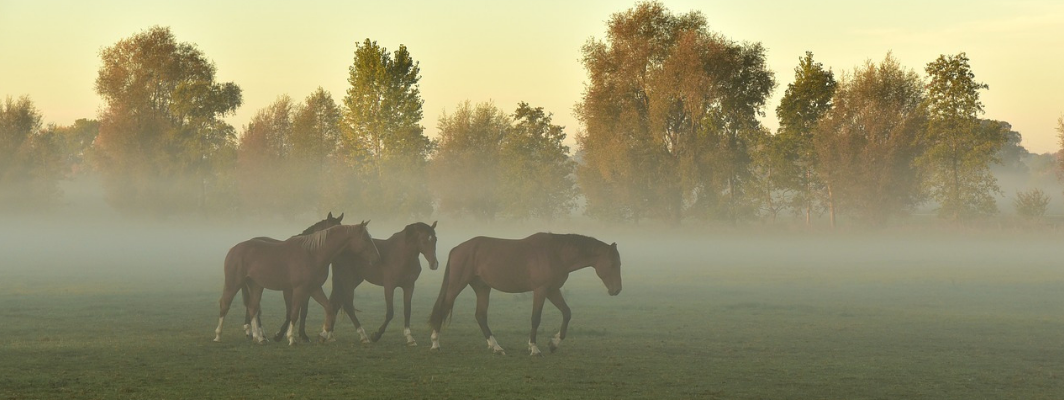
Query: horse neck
[399, 249]
[335, 243]
[574, 257]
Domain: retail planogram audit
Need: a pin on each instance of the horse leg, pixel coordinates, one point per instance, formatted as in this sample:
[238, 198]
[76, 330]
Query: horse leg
[284, 325]
[442, 309]
[299, 296]
[319, 296]
[408, 296]
[349, 308]
[555, 297]
[304, 309]
[254, 304]
[389, 296]
[483, 291]
[244, 296]
[537, 313]
[228, 293]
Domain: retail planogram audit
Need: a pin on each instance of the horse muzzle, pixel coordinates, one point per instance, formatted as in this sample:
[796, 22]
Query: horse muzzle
[434, 265]
[614, 292]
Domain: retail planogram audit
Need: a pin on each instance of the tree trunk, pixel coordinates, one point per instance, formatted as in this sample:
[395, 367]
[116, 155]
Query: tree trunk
[831, 206]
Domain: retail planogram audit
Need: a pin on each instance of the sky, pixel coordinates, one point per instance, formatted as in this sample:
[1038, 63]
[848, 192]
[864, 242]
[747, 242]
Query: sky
[507, 52]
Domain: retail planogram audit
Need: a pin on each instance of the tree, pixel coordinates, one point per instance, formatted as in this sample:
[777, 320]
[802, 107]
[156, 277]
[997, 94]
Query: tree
[535, 170]
[162, 138]
[30, 162]
[958, 148]
[669, 117]
[803, 105]
[75, 142]
[382, 131]
[263, 161]
[1060, 136]
[315, 142]
[867, 144]
[466, 166]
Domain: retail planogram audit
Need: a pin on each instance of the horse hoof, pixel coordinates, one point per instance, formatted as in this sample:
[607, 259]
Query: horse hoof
[552, 347]
[375, 337]
[278, 337]
[500, 352]
[411, 344]
[304, 339]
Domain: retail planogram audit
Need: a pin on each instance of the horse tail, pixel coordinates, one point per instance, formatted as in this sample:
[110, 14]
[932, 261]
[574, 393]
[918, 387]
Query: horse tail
[439, 315]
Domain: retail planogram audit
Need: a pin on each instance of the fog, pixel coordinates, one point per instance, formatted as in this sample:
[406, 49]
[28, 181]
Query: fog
[88, 244]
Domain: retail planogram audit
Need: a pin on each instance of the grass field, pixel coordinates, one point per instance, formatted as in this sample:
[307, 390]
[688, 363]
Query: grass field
[131, 314]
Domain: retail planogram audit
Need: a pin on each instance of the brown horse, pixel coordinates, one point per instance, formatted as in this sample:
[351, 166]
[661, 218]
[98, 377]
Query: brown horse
[299, 264]
[540, 263]
[399, 268]
[324, 224]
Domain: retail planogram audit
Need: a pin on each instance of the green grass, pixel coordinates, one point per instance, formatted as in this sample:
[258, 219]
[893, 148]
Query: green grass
[729, 318]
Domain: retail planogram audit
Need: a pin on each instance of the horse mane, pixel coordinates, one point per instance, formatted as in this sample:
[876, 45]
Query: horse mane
[584, 245]
[312, 242]
[313, 228]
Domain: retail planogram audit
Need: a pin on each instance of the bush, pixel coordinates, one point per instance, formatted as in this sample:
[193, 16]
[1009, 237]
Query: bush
[1032, 203]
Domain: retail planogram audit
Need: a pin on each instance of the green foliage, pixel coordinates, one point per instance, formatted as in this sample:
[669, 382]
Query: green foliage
[30, 158]
[75, 142]
[466, 168]
[315, 140]
[670, 117]
[959, 149]
[867, 144]
[792, 153]
[162, 141]
[382, 135]
[265, 177]
[1060, 135]
[536, 174]
[1031, 204]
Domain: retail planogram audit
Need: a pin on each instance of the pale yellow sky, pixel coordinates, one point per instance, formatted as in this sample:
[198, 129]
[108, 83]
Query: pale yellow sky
[508, 52]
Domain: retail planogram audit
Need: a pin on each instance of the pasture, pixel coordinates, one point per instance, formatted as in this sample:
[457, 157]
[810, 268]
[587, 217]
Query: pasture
[130, 313]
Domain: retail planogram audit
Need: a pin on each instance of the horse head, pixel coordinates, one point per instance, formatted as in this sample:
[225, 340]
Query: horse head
[423, 237]
[361, 243]
[608, 268]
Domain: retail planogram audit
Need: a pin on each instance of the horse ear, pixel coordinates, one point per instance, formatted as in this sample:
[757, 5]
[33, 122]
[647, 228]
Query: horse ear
[614, 245]
[330, 215]
[340, 218]
[433, 225]
[366, 222]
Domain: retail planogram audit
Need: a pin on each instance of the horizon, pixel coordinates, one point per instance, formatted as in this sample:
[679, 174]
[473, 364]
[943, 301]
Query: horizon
[481, 51]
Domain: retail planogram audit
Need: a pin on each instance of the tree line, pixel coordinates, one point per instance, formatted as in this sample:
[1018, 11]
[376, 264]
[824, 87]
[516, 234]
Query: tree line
[670, 132]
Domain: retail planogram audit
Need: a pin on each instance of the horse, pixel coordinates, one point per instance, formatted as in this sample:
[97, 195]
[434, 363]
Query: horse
[326, 223]
[540, 263]
[299, 264]
[399, 267]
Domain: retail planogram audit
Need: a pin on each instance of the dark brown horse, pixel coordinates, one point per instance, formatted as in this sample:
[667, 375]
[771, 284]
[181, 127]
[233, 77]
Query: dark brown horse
[399, 268]
[324, 224]
[540, 263]
[299, 264]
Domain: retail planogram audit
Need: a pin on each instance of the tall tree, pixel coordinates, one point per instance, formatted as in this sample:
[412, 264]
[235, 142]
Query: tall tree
[161, 134]
[263, 161]
[1060, 136]
[315, 142]
[669, 116]
[868, 143]
[30, 162]
[536, 173]
[959, 149]
[382, 131]
[75, 142]
[804, 103]
[466, 166]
